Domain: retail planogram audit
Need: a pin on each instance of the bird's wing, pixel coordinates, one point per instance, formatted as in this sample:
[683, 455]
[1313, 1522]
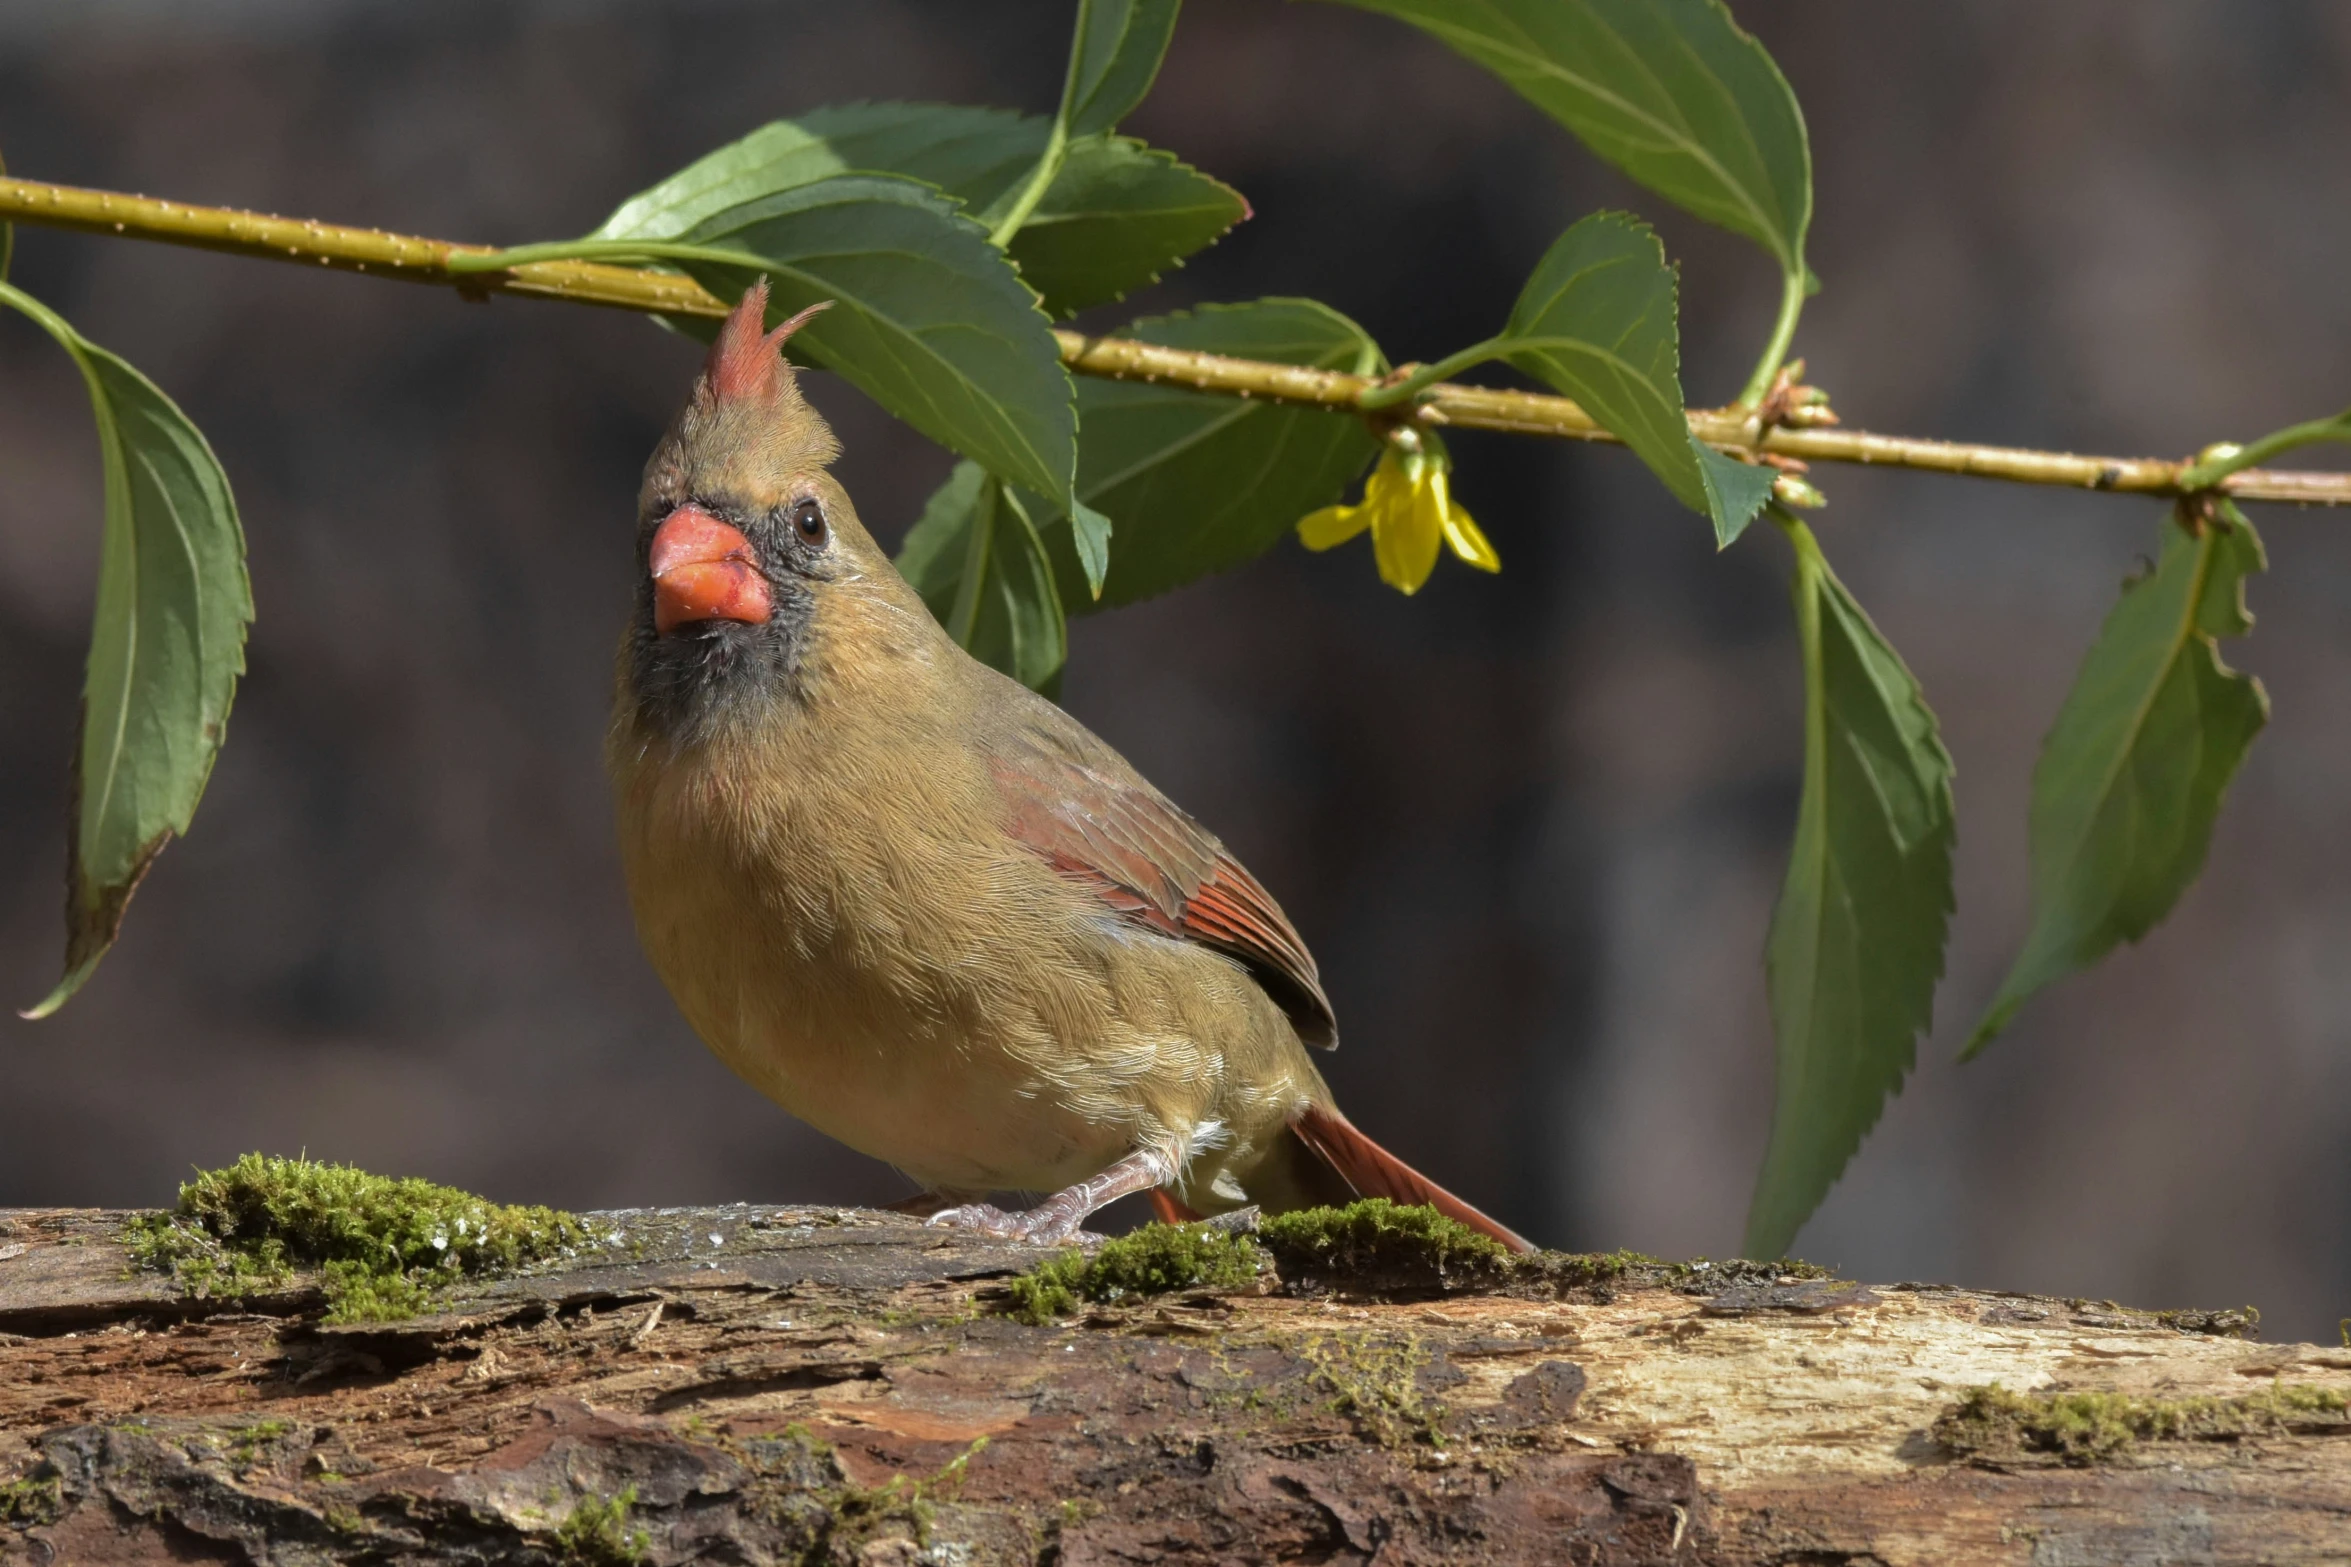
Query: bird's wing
[1075, 801]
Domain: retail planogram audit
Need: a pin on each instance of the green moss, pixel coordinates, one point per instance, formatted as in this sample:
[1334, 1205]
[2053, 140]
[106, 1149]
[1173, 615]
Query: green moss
[1587, 1269]
[1376, 1241]
[251, 1439]
[1157, 1259]
[1376, 1383]
[32, 1501]
[801, 1489]
[2090, 1427]
[383, 1247]
[861, 1512]
[597, 1534]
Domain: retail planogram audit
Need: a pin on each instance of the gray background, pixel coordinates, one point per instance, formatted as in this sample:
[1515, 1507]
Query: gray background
[1532, 825]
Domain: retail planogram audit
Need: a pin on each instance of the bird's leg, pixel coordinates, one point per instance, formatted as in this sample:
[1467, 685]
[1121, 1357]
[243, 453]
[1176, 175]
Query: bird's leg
[1057, 1218]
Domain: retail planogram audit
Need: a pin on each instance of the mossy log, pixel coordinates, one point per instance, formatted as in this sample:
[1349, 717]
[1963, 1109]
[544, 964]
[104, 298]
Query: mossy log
[754, 1384]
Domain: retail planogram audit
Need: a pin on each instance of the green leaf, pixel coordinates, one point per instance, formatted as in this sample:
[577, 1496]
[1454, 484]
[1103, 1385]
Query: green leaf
[1670, 91]
[1090, 537]
[1735, 492]
[932, 555]
[1856, 943]
[1113, 60]
[2131, 776]
[977, 558]
[974, 155]
[1033, 643]
[1597, 322]
[1197, 483]
[928, 318]
[167, 644]
[1116, 216]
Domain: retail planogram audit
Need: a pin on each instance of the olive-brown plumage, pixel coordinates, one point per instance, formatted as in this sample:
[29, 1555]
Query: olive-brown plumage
[913, 902]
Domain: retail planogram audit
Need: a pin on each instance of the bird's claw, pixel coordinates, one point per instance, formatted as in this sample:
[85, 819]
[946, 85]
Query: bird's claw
[1043, 1226]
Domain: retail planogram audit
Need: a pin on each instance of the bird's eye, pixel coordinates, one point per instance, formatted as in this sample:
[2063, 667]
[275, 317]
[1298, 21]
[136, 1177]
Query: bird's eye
[808, 521]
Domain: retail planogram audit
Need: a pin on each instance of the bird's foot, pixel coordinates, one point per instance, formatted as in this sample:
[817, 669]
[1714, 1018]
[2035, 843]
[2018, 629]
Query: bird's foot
[1046, 1224]
[1057, 1218]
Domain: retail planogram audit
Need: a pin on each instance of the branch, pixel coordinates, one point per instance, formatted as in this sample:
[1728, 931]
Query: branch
[418, 260]
[830, 1385]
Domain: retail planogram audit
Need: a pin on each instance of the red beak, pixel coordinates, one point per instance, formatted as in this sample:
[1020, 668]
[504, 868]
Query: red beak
[704, 569]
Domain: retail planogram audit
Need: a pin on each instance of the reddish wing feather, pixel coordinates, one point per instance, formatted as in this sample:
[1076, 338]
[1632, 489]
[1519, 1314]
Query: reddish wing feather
[1099, 824]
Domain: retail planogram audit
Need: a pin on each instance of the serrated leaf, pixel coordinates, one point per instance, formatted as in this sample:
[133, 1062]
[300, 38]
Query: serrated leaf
[167, 643]
[1117, 215]
[1856, 943]
[928, 318]
[1113, 60]
[1597, 321]
[1196, 483]
[1735, 492]
[977, 559]
[1090, 537]
[972, 154]
[1670, 91]
[2132, 773]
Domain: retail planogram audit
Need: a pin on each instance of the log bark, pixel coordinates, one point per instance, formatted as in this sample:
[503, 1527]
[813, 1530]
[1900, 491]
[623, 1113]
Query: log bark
[760, 1384]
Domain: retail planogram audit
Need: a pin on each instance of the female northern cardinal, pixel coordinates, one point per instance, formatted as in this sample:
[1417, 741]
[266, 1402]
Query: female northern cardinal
[915, 903]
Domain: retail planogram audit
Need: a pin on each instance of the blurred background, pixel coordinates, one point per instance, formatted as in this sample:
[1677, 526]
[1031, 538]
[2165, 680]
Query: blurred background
[1533, 825]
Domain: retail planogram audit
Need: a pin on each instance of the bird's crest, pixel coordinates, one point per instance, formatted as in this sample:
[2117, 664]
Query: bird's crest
[746, 362]
[747, 418]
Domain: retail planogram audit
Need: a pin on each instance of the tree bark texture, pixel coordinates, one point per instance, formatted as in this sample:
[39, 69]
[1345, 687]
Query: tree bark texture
[757, 1384]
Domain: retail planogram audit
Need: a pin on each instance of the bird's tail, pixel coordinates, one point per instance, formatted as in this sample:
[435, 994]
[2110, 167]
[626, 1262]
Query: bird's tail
[1324, 1160]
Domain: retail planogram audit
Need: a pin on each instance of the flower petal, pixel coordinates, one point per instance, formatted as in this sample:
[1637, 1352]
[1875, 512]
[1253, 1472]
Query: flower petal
[1405, 535]
[1390, 484]
[1320, 530]
[1468, 543]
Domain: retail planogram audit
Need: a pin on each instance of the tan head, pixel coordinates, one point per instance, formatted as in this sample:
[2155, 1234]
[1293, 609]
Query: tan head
[753, 565]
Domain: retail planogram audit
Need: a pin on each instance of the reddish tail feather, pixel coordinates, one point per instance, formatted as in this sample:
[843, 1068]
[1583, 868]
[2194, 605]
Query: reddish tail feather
[1375, 1172]
[1370, 1171]
[1167, 1210]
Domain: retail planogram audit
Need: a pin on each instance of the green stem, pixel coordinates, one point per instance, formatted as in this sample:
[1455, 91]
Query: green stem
[467, 261]
[1056, 144]
[1783, 334]
[2204, 475]
[1040, 178]
[1429, 375]
[48, 320]
[75, 344]
[410, 258]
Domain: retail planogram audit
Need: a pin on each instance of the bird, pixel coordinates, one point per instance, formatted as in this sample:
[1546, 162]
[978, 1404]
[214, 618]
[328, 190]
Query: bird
[918, 905]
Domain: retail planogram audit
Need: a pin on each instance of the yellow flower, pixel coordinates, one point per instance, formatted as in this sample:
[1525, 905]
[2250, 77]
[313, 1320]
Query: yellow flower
[1408, 505]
